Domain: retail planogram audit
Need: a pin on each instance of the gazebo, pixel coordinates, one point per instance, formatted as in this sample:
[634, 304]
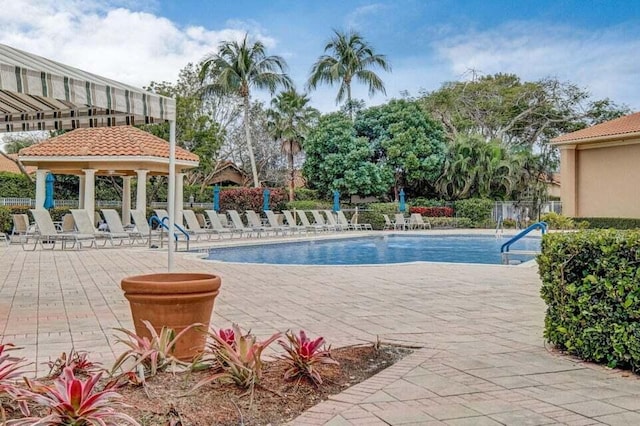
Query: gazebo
[122, 151]
[39, 94]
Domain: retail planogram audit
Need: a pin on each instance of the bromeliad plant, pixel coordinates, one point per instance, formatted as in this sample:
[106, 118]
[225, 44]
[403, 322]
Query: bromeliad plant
[150, 355]
[78, 361]
[73, 402]
[9, 370]
[239, 356]
[303, 354]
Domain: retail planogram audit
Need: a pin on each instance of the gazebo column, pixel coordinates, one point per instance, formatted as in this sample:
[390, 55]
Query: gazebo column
[41, 191]
[141, 191]
[81, 180]
[179, 198]
[90, 193]
[126, 200]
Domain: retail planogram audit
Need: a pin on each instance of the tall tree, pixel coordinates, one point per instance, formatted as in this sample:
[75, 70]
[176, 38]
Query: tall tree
[348, 56]
[289, 120]
[238, 67]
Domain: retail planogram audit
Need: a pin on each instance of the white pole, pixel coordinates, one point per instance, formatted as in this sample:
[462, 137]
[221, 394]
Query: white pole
[171, 201]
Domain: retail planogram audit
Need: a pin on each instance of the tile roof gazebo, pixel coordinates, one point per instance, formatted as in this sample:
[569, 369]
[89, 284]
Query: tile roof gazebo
[123, 151]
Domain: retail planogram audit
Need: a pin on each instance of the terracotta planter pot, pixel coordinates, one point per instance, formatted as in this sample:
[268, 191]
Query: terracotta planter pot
[174, 300]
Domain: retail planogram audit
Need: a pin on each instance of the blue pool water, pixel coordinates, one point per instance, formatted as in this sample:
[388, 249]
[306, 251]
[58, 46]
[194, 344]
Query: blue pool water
[378, 250]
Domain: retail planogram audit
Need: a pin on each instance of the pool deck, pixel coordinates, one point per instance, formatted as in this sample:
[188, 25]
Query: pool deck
[481, 358]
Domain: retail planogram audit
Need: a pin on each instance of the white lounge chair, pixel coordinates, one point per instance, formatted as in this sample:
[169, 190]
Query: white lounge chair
[48, 234]
[319, 220]
[342, 220]
[275, 226]
[84, 225]
[355, 220]
[388, 224]
[21, 227]
[236, 220]
[289, 217]
[115, 225]
[218, 227]
[305, 222]
[333, 223]
[193, 226]
[417, 222]
[255, 223]
[400, 222]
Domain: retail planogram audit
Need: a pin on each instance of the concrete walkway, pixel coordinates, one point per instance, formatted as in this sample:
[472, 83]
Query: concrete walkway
[482, 359]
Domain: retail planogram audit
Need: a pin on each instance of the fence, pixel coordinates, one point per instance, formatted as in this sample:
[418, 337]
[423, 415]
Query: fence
[72, 204]
[520, 210]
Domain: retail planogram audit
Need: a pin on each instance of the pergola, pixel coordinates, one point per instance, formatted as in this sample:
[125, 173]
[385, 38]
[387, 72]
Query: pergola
[121, 151]
[39, 94]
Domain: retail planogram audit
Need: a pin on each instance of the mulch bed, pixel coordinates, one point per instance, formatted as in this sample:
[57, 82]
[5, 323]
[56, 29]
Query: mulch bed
[275, 402]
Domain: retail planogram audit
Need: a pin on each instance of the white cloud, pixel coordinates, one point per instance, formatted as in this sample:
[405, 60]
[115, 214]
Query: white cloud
[131, 46]
[601, 61]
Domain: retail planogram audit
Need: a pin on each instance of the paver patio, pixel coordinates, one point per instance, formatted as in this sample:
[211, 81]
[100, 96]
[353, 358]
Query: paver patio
[482, 359]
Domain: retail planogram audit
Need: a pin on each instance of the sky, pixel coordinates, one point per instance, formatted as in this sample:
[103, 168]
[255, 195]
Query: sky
[592, 43]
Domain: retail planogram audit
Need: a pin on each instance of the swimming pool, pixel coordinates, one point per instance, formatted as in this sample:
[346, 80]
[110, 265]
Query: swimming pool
[378, 250]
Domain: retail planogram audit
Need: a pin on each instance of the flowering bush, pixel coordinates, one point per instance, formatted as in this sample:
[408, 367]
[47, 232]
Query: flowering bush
[303, 354]
[243, 199]
[433, 211]
[73, 402]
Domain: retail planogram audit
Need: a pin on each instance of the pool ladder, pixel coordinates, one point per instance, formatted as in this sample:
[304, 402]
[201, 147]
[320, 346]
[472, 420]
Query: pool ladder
[505, 248]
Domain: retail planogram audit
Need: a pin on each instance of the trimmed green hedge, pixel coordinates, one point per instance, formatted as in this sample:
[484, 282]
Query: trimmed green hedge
[610, 222]
[309, 205]
[16, 185]
[374, 212]
[591, 285]
[476, 209]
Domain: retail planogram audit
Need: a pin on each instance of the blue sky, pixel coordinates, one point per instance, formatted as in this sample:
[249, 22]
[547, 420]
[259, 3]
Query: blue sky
[591, 43]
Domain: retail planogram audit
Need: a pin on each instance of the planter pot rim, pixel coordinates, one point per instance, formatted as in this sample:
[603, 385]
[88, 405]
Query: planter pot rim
[171, 283]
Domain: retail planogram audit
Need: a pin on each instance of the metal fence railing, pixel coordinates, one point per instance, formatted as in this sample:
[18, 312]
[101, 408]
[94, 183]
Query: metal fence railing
[520, 210]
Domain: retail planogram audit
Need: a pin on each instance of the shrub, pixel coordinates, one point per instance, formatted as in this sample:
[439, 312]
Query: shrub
[610, 222]
[304, 194]
[432, 211]
[476, 209]
[558, 221]
[590, 285]
[243, 199]
[16, 185]
[421, 201]
[373, 214]
[303, 354]
[309, 205]
[449, 222]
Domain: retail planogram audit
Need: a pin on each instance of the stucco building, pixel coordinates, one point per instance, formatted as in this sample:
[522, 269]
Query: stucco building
[600, 169]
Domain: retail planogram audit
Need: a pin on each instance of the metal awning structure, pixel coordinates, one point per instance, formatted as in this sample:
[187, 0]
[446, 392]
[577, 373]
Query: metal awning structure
[40, 94]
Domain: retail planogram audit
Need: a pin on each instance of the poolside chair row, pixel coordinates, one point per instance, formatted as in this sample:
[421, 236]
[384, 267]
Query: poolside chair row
[231, 223]
[415, 221]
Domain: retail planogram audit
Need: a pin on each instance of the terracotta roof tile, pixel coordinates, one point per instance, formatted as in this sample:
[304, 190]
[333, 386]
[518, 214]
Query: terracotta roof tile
[11, 167]
[106, 141]
[619, 126]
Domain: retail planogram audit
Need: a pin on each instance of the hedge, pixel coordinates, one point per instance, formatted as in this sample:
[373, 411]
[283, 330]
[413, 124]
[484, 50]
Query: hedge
[309, 205]
[374, 212]
[242, 199]
[590, 283]
[610, 222]
[476, 209]
[449, 222]
[14, 185]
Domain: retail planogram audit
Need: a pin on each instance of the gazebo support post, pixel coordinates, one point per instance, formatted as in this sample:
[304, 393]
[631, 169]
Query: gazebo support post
[81, 181]
[126, 200]
[171, 201]
[141, 191]
[179, 198]
[90, 193]
[41, 182]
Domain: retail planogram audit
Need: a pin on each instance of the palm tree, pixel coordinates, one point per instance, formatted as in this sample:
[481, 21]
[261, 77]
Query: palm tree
[348, 56]
[289, 120]
[236, 69]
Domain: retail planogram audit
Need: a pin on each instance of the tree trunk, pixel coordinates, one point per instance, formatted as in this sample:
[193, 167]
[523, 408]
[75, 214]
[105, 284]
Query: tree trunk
[247, 131]
[292, 184]
[17, 163]
[349, 103]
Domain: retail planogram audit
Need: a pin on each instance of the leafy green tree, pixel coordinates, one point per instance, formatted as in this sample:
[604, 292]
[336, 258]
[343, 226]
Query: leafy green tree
[237, 68]
[338, 160]
[289, 120]
[406, 142]
[348, 56]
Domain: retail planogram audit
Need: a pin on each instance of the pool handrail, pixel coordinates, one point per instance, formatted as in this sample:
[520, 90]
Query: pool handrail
[161, 222]
[538, 225]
